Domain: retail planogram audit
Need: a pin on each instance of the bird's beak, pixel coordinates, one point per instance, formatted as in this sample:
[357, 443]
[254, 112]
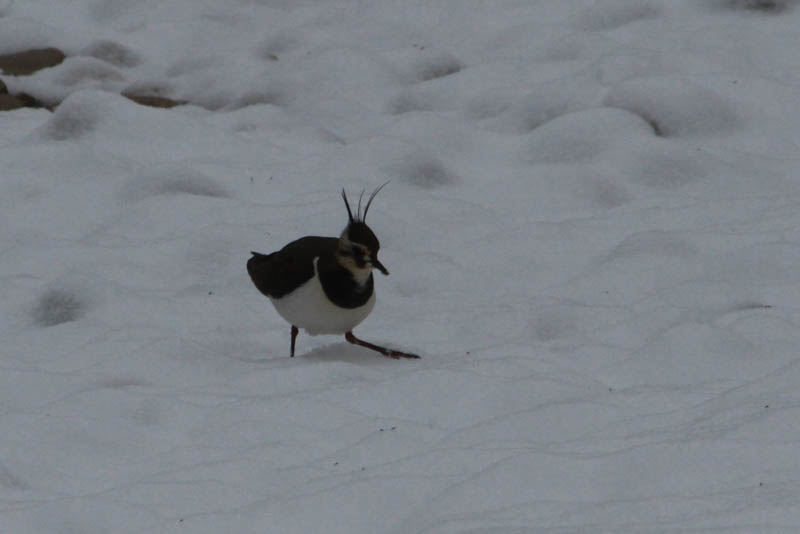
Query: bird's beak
[378, 265]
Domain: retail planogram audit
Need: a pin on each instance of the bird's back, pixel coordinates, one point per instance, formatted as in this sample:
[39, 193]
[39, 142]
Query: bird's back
[278, 274]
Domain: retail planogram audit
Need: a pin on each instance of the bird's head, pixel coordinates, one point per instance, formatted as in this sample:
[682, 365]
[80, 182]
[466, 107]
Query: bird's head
[358, 246]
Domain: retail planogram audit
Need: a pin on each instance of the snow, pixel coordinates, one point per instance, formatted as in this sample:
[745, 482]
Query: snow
[593, 232]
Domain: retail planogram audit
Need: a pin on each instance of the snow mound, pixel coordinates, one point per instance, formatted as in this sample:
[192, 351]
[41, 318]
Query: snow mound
[545, 102]
[272, 96]
[76, 72]
[174, 180]
[76, 117]
[667, 166]
[26, 34]
[674, 107]
[424, 170]
[112, 52]
[583, 135]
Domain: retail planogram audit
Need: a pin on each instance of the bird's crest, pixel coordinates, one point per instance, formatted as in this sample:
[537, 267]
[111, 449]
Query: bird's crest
[359, 216]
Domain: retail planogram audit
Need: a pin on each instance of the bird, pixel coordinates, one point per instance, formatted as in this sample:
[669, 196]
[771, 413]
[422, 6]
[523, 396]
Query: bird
[324, 285]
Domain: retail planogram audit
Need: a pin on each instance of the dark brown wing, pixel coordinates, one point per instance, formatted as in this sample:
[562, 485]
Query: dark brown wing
[281, 272]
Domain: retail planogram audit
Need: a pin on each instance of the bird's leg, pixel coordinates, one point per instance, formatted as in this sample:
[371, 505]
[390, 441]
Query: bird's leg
[294, 336]
[396, 354]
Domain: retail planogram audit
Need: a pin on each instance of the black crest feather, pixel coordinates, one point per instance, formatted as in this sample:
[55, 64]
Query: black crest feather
[347, 205]
[360, 217]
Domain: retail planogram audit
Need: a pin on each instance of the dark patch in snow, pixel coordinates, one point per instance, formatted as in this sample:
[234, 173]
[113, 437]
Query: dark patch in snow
[112, 52]
[195, 186]
[749, 306]
[424, 171]
[409, 101]
[550, 327]
[272, 49]
[764, 6]
[607, 194]
[150, 87]
[658, 131]
[435, 67]
[58, 306]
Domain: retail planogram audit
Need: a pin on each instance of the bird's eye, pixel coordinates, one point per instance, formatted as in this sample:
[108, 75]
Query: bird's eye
[362, 257]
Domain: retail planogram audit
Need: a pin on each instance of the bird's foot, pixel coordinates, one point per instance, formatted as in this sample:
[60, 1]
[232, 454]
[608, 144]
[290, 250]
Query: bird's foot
[391, 353]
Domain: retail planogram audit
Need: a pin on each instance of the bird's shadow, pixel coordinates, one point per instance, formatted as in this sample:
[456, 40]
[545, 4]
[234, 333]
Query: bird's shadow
[345, 352]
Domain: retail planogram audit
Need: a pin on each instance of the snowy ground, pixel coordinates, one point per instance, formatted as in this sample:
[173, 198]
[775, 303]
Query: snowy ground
[592, 228]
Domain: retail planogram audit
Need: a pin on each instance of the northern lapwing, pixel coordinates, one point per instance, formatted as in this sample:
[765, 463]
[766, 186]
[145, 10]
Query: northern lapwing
[324, 285]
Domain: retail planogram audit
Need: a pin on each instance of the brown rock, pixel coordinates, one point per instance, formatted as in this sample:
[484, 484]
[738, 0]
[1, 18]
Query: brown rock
[29, 61]
[154, 101]
[3, 88]
[28, 101]
[19, 100]
[9, 102]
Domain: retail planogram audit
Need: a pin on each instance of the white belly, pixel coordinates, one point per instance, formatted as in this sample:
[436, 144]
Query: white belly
[308, 308]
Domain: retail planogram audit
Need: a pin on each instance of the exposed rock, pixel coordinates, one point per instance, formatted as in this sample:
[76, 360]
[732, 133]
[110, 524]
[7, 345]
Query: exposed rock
[28, 100]
[30, 61]
[154, 101]
[9, 102]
